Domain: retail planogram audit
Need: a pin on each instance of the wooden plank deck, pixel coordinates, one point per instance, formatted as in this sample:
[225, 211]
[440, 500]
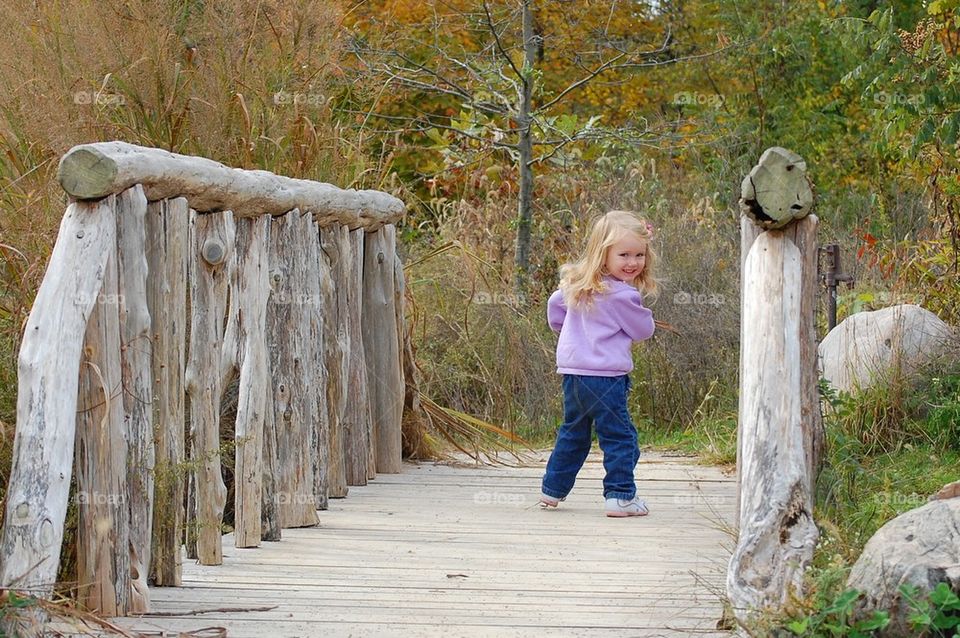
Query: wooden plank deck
[465, 551]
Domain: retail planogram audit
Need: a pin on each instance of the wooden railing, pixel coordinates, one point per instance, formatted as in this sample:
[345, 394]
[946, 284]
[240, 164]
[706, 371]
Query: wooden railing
[171, 278]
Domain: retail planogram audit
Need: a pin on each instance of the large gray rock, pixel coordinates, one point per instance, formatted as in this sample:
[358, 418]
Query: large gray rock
[869, 346]
[921, 548]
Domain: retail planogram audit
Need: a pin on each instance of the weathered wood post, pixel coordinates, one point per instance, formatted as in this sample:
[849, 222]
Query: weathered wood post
[318, 314]
[248, 311]
[166, 250]
[779, 407]
[103, 531]
[176, 226]
[336, 357]
[356, 422]
[136, 353]
[211, 263]
[382, 347]
[291, 367]
[47, 384]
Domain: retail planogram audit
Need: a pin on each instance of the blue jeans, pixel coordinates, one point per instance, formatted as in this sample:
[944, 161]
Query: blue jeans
[599, 401]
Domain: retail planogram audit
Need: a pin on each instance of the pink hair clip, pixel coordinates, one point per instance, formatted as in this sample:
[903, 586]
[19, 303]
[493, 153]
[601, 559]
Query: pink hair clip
[649, 230]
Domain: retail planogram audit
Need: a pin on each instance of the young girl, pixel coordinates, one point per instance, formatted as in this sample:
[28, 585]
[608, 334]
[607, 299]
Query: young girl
[599, 313]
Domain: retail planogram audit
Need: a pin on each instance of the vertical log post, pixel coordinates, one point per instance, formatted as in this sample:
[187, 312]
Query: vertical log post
[248, 304]
[356, 423]
[382, 347]
[47, 385]
[804, 235]
[318, 280]
[291, 367]
[166, 251]
[135, 361]
[779, 407]
[120, 284]
[103, 531]
[211, 249]
[270, 483]
[411, 430]
[336, 354]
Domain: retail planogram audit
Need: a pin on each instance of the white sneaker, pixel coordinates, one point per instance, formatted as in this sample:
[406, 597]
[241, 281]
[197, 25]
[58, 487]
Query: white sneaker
[549, 501]
[620, 507]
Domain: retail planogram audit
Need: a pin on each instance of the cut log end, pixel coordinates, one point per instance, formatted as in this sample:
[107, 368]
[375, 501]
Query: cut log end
[87, 173]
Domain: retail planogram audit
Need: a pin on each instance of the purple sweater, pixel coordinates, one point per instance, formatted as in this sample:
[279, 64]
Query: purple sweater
[595, 341]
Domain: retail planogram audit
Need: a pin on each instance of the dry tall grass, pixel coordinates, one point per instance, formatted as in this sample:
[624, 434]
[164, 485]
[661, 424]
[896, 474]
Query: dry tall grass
[253, 84]
[490, 353]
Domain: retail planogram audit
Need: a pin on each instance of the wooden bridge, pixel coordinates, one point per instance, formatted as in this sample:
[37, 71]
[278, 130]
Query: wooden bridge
[465, 551]
[295, 294]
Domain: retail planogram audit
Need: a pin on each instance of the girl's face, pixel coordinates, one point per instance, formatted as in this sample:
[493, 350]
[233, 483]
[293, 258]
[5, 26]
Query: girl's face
[626, 258]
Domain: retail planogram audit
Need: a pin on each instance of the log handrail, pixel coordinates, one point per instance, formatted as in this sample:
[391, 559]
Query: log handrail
[142, 220]
[94, 171]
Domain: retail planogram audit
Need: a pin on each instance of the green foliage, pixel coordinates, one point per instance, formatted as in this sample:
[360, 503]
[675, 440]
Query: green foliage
[836, 619]
[887, 448]
[936, 614]
[909, 77]
[275, 86]
[831, 610]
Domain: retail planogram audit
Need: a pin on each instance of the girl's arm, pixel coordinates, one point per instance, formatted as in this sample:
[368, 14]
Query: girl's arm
[633, 317]
[556, 311]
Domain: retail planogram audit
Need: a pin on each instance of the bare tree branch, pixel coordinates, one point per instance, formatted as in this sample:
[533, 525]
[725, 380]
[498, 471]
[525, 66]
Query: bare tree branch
[496, 38]
[606, 66]
[429, 122]
[584, 80]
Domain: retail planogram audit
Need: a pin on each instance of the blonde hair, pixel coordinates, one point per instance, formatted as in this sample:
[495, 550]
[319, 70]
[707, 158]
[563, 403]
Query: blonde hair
[581, 279]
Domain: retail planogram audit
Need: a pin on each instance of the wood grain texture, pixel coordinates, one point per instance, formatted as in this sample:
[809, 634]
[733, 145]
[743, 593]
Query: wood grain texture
[336, 355]
[776, 530]
[357, 443]
[382, 347]
[92, 171]
[255, 393]
[289, 327]
[166, 252]
[212, 247]
[103, 528]
[443, 550]
[47, 384]
[136, 353]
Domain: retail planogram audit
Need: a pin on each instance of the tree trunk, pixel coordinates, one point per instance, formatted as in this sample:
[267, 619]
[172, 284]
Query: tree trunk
[336, 356]
[92, 171]
[356, 444]
[291, 366]
[167, 301]
[804, 235]
[254, 394]
[749, 232]
[318, 272]
[525, 150]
